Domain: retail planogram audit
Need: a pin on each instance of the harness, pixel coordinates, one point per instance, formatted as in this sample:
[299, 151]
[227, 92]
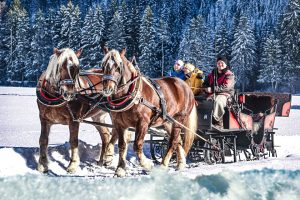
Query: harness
[156, 87]
[46, 98]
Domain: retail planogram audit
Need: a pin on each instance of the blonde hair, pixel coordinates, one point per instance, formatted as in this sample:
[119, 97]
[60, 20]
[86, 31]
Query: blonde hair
[189, 66]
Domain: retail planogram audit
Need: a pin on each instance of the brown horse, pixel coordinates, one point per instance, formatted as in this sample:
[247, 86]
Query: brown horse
[143, 109]
[53, 109]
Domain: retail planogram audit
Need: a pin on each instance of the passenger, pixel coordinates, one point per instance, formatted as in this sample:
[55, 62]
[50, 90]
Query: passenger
[194, 78]
[219, 85]
[177, 70]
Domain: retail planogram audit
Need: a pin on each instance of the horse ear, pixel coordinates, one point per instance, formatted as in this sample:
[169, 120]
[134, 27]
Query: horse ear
[78, 52]
[56, 51]
[123, 52]
[104, 49]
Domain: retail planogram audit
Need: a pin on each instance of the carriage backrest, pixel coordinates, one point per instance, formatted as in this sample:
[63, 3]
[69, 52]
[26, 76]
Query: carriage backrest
[204, 110]
[268, 102]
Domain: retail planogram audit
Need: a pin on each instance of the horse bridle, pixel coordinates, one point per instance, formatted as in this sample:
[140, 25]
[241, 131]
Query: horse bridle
[71, 80]
[109, 77]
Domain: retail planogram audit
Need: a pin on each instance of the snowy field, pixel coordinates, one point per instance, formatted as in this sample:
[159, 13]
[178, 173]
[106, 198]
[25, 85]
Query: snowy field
[271, 178]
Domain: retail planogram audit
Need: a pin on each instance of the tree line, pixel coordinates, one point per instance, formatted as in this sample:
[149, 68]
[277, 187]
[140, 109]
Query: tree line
[259, 37]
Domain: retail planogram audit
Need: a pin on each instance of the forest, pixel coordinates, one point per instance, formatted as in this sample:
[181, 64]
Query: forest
[260, 38]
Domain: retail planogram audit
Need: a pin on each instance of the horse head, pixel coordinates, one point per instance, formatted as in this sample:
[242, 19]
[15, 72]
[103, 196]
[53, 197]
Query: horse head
[117, 70]
[62, 71]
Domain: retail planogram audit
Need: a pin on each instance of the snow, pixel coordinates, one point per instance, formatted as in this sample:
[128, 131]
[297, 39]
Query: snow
[19, 151]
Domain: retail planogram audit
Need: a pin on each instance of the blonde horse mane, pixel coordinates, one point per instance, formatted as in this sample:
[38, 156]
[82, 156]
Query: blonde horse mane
[115, 54]
[52, 73]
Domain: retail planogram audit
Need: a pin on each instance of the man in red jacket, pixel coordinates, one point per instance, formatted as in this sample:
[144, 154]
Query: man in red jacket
[219, 85]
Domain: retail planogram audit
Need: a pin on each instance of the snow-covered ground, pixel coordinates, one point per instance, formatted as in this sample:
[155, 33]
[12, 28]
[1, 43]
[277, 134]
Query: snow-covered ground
[19, 135]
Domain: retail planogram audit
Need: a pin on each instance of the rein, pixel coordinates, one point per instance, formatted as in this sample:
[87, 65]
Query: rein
[91, 85]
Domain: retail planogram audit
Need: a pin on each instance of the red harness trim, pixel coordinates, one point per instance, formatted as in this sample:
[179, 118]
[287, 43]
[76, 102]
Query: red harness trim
[45, 97]
[110, 101]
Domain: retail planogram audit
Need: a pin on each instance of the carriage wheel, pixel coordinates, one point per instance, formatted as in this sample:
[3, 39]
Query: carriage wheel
[247, 155]
[158, 148]
[213, 157]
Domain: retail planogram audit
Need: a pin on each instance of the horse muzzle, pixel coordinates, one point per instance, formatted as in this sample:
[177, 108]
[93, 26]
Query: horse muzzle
[108, 91]
[66, 94]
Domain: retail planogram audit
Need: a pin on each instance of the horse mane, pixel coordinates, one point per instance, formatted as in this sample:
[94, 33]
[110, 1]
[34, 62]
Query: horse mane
[52, 73]
[115, 54]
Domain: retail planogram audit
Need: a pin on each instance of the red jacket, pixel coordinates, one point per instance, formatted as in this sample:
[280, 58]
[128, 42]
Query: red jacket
[221, 83]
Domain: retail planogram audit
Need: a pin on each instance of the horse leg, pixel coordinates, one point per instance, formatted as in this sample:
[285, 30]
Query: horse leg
[174, 145]
[181, 161]
[140, 133]
[105, 138]
[110, 149]
[123, 146]
[74, 161]
[43, 141]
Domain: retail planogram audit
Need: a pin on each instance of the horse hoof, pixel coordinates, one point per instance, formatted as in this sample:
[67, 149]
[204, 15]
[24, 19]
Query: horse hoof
[163, 167]
[120, 172]
[72, 168]
[148, 165]
[180, 166]
[42, 168]
[100, 163]
[108, 161]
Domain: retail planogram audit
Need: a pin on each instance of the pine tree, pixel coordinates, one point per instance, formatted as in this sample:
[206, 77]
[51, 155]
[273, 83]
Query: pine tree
[126, 14]
[176, 29]
[112, 6]
[272, 70]
[290, 34]
[164, 44]
[243, 53]
[196, 46]
[23, 54]
[116, 38]
[70, 27]
[4, 47]
[75, 26]
[147, 45]
[53, 27]
[131, 23]
[147, 61]
[38, 49]
[222, 41]
[65, 25]
[15, 12]
[87, 38]
[98, 36]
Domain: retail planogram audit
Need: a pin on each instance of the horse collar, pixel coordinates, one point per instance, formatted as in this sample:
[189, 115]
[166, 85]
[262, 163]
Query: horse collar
[50, 99]
[126, 102]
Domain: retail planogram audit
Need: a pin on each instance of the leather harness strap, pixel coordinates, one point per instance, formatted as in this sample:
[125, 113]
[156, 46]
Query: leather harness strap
[162, 100]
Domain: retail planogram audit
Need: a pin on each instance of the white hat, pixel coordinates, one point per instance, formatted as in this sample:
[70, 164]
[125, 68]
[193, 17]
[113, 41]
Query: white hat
[180, 62]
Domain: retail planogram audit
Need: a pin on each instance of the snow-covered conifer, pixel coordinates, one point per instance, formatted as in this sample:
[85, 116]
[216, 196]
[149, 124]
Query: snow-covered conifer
[243, 52]
[147, 45]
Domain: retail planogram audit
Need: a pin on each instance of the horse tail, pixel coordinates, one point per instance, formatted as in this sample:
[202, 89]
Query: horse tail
[190, 134]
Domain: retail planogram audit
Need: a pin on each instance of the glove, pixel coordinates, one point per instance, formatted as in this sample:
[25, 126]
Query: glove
[200, 76]
[208, 90]
[188, 75]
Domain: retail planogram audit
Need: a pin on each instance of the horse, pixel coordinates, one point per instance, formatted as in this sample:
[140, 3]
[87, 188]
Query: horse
[143, 106]
[54, 109]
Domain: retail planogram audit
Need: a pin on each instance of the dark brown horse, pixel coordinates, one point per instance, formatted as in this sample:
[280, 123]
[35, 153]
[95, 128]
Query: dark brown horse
[142, 108]
[53, 109]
